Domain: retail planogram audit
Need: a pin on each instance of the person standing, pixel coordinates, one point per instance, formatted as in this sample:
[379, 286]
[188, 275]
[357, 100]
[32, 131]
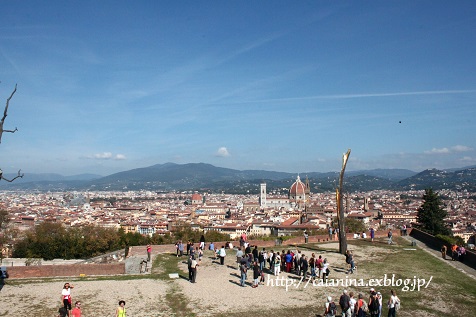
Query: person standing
[372, 234]
[121, 310]
[304, 266]
[202, 242]
[193, 266]
[180, 248]
[239, 257]
[350, 261]
[325, 270]
[243, 270]
[374, 305]
[444, 249]
[392, 304]
[277, 264]
[312, 265]
[222, 255]
[390, 235]
[379, 297]
[149, 251]
[76, 312]
[189, 266]
[331, 308]
[344, 303]
[319, 264]
[352, 303]
[66, 297]
[256, 274]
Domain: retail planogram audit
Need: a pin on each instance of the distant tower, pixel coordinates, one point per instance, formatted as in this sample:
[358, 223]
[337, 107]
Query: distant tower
[366, 203]
[262, 196]
[307, 191]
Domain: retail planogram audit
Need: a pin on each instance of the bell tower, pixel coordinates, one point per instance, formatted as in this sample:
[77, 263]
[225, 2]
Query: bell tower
[262, 195]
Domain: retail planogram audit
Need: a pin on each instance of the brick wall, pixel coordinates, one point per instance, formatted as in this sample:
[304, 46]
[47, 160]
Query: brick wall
[66, 270]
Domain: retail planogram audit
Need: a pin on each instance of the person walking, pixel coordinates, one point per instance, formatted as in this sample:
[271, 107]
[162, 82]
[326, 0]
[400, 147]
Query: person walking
[121, 310]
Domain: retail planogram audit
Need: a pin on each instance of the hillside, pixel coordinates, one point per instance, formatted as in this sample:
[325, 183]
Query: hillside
[206, 177]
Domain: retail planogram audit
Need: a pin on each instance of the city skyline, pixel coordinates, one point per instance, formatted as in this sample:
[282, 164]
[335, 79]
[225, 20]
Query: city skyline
[112, 86]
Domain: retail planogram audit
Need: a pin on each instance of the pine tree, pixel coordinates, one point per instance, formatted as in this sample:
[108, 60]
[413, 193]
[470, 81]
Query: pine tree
[431, 215]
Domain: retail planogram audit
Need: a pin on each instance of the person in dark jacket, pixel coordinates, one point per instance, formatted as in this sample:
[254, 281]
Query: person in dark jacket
[304, 266]
[256, 274]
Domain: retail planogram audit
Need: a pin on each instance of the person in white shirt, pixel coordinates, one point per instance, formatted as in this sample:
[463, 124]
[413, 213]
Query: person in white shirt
[352, 302]
[379, 296]
[222, 254]
[392, 303]
[277, 264]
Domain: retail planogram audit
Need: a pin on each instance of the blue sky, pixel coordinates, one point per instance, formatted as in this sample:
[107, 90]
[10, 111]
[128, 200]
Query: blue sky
[107, 86]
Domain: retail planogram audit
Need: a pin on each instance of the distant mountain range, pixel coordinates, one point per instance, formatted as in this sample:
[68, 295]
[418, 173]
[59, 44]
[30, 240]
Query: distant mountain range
[206, 177]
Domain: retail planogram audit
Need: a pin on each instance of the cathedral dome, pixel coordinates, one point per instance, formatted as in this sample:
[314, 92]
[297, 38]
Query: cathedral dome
[298, 188]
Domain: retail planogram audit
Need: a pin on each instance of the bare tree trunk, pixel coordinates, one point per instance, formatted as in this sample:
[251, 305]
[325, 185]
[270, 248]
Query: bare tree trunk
[340, 209]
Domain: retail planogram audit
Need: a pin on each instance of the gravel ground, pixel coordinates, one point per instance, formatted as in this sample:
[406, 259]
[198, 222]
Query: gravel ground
[217, 291]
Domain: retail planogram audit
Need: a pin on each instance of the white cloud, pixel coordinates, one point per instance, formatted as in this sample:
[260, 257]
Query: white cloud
[461, 148]
[106, 156]
[222, 152]
[103, 156]
[453, 149]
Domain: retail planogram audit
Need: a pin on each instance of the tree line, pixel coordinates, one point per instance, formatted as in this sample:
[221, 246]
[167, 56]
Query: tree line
[55, 241]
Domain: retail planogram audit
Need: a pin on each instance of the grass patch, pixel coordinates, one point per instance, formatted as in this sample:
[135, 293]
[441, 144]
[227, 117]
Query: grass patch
[165, 264]
[178, 303]
[448, 287]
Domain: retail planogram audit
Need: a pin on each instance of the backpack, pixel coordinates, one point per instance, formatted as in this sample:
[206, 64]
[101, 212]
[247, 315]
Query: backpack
[332, 309]
[397, 304]
[344, 302]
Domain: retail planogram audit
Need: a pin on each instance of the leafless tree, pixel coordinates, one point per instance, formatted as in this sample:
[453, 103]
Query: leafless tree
[5, 116]
[19, 175]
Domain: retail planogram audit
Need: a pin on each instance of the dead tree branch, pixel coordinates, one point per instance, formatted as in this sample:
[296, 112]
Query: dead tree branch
[5, 115]
[11, 180]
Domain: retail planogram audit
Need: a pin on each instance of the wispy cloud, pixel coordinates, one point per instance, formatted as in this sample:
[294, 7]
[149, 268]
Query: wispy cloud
[222, 152]
[107, 156]
[367, 95]
[461, 148]
[446, 150]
